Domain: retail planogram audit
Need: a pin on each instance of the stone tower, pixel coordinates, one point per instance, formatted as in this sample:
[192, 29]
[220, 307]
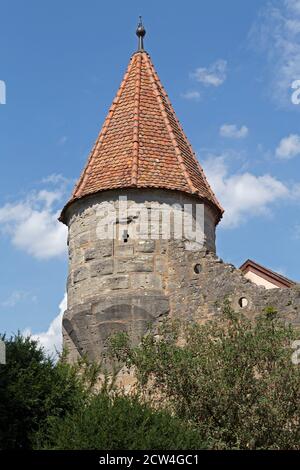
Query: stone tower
[129, 265]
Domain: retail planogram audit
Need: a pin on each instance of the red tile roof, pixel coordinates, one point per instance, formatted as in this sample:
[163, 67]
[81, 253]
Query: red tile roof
[141, 143]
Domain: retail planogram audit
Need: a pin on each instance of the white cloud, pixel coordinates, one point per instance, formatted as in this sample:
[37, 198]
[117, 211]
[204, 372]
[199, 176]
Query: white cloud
[289, 147]
[56, 179]
[192, 95]
[214, 75]
[242, 194]
[16, 297]
[51, 340]
[33, 226]
[277, 32]
[233, 132]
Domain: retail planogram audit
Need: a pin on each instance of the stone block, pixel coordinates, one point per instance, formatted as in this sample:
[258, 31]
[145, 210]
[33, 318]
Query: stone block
[146, 281]
[160, 263]
[90, 254]
[142, 263]
[104, 248]
[118, 282]
[145, 246]
[100, 250]
[124, 249]
[80, 274]
[163, 246]
[82, 240]
[103, 267]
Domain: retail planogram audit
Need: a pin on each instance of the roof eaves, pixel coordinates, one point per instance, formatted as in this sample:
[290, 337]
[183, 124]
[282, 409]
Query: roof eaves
[252, 264]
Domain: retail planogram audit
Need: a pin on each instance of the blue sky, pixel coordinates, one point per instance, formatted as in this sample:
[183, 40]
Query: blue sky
[228, 68]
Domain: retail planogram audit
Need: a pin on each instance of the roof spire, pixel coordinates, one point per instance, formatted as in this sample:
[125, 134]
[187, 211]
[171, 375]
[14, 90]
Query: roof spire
[141, 144]
[140, 32]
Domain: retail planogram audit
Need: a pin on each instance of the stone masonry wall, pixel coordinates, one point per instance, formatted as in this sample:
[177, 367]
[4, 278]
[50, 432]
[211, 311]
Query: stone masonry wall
[199, 282]
[120, 283]
[130, 283]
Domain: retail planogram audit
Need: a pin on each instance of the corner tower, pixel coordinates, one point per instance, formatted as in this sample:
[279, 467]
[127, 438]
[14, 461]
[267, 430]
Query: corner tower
[123, 252]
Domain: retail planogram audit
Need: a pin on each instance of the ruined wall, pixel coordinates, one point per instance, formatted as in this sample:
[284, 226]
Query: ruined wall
[130, 283]
[198, 283]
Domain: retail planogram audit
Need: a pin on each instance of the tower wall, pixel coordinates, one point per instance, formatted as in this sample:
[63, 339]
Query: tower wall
[116, 285]
[123, 283]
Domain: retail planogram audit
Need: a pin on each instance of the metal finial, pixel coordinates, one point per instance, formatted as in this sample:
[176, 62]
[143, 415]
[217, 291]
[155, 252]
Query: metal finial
[140, 32]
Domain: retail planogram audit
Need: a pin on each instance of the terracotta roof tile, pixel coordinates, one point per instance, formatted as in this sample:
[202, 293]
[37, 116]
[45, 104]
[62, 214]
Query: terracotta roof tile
[141, 143]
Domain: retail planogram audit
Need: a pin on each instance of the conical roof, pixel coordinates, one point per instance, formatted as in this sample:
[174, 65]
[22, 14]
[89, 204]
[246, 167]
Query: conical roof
[142, 144]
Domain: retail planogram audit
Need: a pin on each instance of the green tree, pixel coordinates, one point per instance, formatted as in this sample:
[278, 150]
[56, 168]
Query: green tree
[118, 422]
[232, 377]
[51, 405]
[32, 389]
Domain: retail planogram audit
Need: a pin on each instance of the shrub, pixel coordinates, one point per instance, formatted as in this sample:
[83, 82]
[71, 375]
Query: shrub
[32, 389]
[118, 422]
[232, 377]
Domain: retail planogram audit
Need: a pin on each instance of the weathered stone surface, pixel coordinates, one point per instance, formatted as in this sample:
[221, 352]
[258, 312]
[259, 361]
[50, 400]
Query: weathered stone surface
[124, 249]
[90, 254]
[105, 266]
[104, 248]
[82, 239]
[161, 263]
[149, 281]
[205, 292]
[80, 274]
[127, 286]
[118, 282]
[145, 246]
[88, 326]
[138, 264]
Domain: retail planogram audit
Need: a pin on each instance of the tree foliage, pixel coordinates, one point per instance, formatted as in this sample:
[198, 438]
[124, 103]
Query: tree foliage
[232, 377]
[51, 405]
[227, 384]
[118, 422]
[32, 389]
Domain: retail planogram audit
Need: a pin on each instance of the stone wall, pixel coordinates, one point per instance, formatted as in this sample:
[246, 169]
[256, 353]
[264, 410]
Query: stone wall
[198, 283]
[131, 282]
[122, 283]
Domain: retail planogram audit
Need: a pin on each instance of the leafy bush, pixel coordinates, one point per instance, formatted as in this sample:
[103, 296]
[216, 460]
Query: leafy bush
[52, 405]
[32, 389]
[226, 384]
[118, 422]
[232, 377]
